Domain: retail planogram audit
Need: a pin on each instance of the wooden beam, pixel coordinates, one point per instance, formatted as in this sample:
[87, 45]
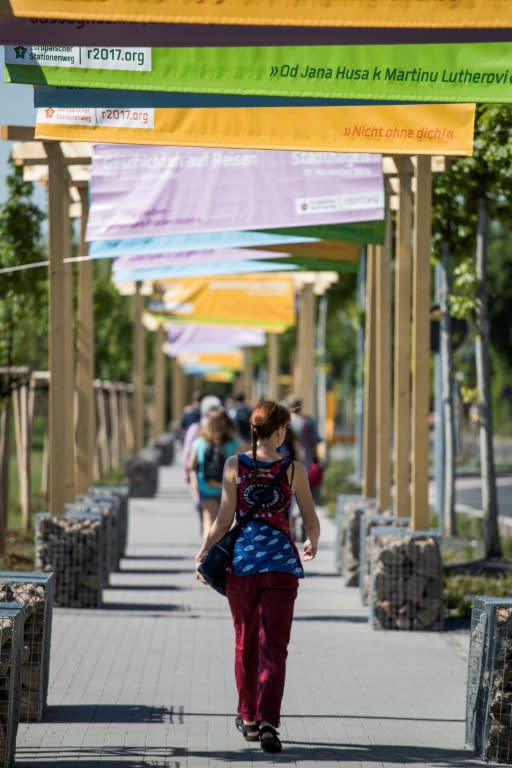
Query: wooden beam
[369, 486]
[383, 368]
[307, 348]
[60, 423]
[160, 391]
[17, 132]
[402, 385]
[138, 370]
[421, 344]
[85, 425]
[273, 366]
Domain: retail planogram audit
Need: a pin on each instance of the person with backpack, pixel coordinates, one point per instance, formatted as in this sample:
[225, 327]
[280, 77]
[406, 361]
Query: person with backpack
[216, 442]
[262, 584]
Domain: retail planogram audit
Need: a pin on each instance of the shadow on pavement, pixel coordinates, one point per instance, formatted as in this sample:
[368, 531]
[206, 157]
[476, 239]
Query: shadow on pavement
[107, 757]
[109, 713]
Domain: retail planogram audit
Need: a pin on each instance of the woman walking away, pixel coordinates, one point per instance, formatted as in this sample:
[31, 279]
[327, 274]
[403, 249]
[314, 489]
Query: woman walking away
[208, 454]
[262, 585]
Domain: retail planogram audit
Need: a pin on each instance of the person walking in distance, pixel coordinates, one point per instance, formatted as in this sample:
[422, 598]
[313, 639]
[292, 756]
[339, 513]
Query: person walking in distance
[208, 454]
[263, 583]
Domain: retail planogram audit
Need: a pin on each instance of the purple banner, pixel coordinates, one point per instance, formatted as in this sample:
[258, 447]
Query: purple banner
[150, 191]
[74, 32]
[156, 261]
[211, 338]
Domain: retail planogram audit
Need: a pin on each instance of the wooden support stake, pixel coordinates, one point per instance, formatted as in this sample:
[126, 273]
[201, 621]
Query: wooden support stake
[273, 366]
[115, 429]
[421, 344]
[85, 428]
[138, 370]
[159, 422]
[383, 368]
[369, 486]
[61, 422]
[178, 392]
[402, 382]
[21, 425]
[307, 351]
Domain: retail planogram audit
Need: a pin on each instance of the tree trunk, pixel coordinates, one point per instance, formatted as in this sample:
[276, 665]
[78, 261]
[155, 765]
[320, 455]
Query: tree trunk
[449, 517]
[492, 541]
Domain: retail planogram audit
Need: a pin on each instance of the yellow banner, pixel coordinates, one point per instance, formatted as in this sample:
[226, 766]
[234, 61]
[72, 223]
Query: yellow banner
[227, 361]
[330, 13]
[417, 129]
[262, 301]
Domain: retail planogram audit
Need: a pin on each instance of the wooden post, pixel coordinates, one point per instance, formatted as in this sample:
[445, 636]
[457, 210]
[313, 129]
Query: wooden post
[61, 423]
[102, 449]
[402, 385]
[369, 487]
[421, 344]
[85, 428]
[126, 419]
[178, 392]
[273, 366]
[138, 370]
[307, 351]
[246, 378]
[21, 423]
[159, 422]
[115, 430]
[383, 368]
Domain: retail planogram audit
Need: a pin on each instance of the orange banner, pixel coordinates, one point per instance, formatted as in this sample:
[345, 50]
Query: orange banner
[445, 129]
[262, 301]
[330, 13]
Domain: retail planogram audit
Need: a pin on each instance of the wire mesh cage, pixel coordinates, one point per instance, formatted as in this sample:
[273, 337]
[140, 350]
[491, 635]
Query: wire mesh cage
[72, 547]
[489, 683]
[341, 500]
[122, 492]
[406, 579]
[109, 506]
[81, 508]
[35, 592]
[351, 536]
[11, 644]
[366, 523]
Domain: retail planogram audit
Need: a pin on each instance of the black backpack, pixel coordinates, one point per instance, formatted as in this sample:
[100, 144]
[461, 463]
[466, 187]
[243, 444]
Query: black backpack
[214, 459]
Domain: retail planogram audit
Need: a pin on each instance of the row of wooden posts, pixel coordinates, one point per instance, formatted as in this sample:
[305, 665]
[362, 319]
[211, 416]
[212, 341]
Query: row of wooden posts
[399, 418]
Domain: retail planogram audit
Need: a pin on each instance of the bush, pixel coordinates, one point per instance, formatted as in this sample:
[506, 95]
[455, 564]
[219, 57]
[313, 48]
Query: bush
[338, 478]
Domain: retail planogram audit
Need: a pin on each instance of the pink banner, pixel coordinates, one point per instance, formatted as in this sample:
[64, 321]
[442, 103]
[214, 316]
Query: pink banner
[151, 190]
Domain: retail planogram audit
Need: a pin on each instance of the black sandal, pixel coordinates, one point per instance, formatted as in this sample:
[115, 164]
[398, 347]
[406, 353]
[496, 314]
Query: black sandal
[249, 731]
[272, 742]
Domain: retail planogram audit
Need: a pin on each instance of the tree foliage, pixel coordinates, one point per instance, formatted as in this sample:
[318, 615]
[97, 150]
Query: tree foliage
[23, 293]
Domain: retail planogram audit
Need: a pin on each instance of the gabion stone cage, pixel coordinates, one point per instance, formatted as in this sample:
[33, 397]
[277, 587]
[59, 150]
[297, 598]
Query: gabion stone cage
[109, 507]
[341, 500]
[351, 536]
[489, 686]
[35, 592]
[72, 547]
[11, 644]
[122, 492]
[366, 523]
[78, 510]
[406, 580]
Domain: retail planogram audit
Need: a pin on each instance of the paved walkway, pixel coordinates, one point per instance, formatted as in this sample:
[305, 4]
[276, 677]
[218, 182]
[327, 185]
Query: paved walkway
[147, 681]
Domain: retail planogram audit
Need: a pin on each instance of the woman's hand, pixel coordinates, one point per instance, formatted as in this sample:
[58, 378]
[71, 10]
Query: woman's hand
[199, 559]
[309, 550]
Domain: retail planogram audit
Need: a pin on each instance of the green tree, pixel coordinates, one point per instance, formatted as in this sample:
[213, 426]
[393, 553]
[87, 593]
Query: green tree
[22, 298]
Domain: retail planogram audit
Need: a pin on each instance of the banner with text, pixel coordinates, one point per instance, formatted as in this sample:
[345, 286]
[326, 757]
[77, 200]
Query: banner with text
[158, 191]
[404, 129]
[257, 301]
[451, 72]
[335, 13]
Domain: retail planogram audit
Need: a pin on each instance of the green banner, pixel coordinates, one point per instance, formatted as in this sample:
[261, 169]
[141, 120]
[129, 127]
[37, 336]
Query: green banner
[366, 232]
[453, 72]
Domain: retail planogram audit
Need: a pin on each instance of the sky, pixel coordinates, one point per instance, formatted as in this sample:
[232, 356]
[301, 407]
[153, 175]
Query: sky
[16, 108]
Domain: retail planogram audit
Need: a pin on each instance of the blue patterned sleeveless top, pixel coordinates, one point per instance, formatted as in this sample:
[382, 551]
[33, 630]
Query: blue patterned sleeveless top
[265, 544]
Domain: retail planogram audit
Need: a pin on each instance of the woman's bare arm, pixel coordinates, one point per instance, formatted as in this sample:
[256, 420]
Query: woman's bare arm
[306, 506]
